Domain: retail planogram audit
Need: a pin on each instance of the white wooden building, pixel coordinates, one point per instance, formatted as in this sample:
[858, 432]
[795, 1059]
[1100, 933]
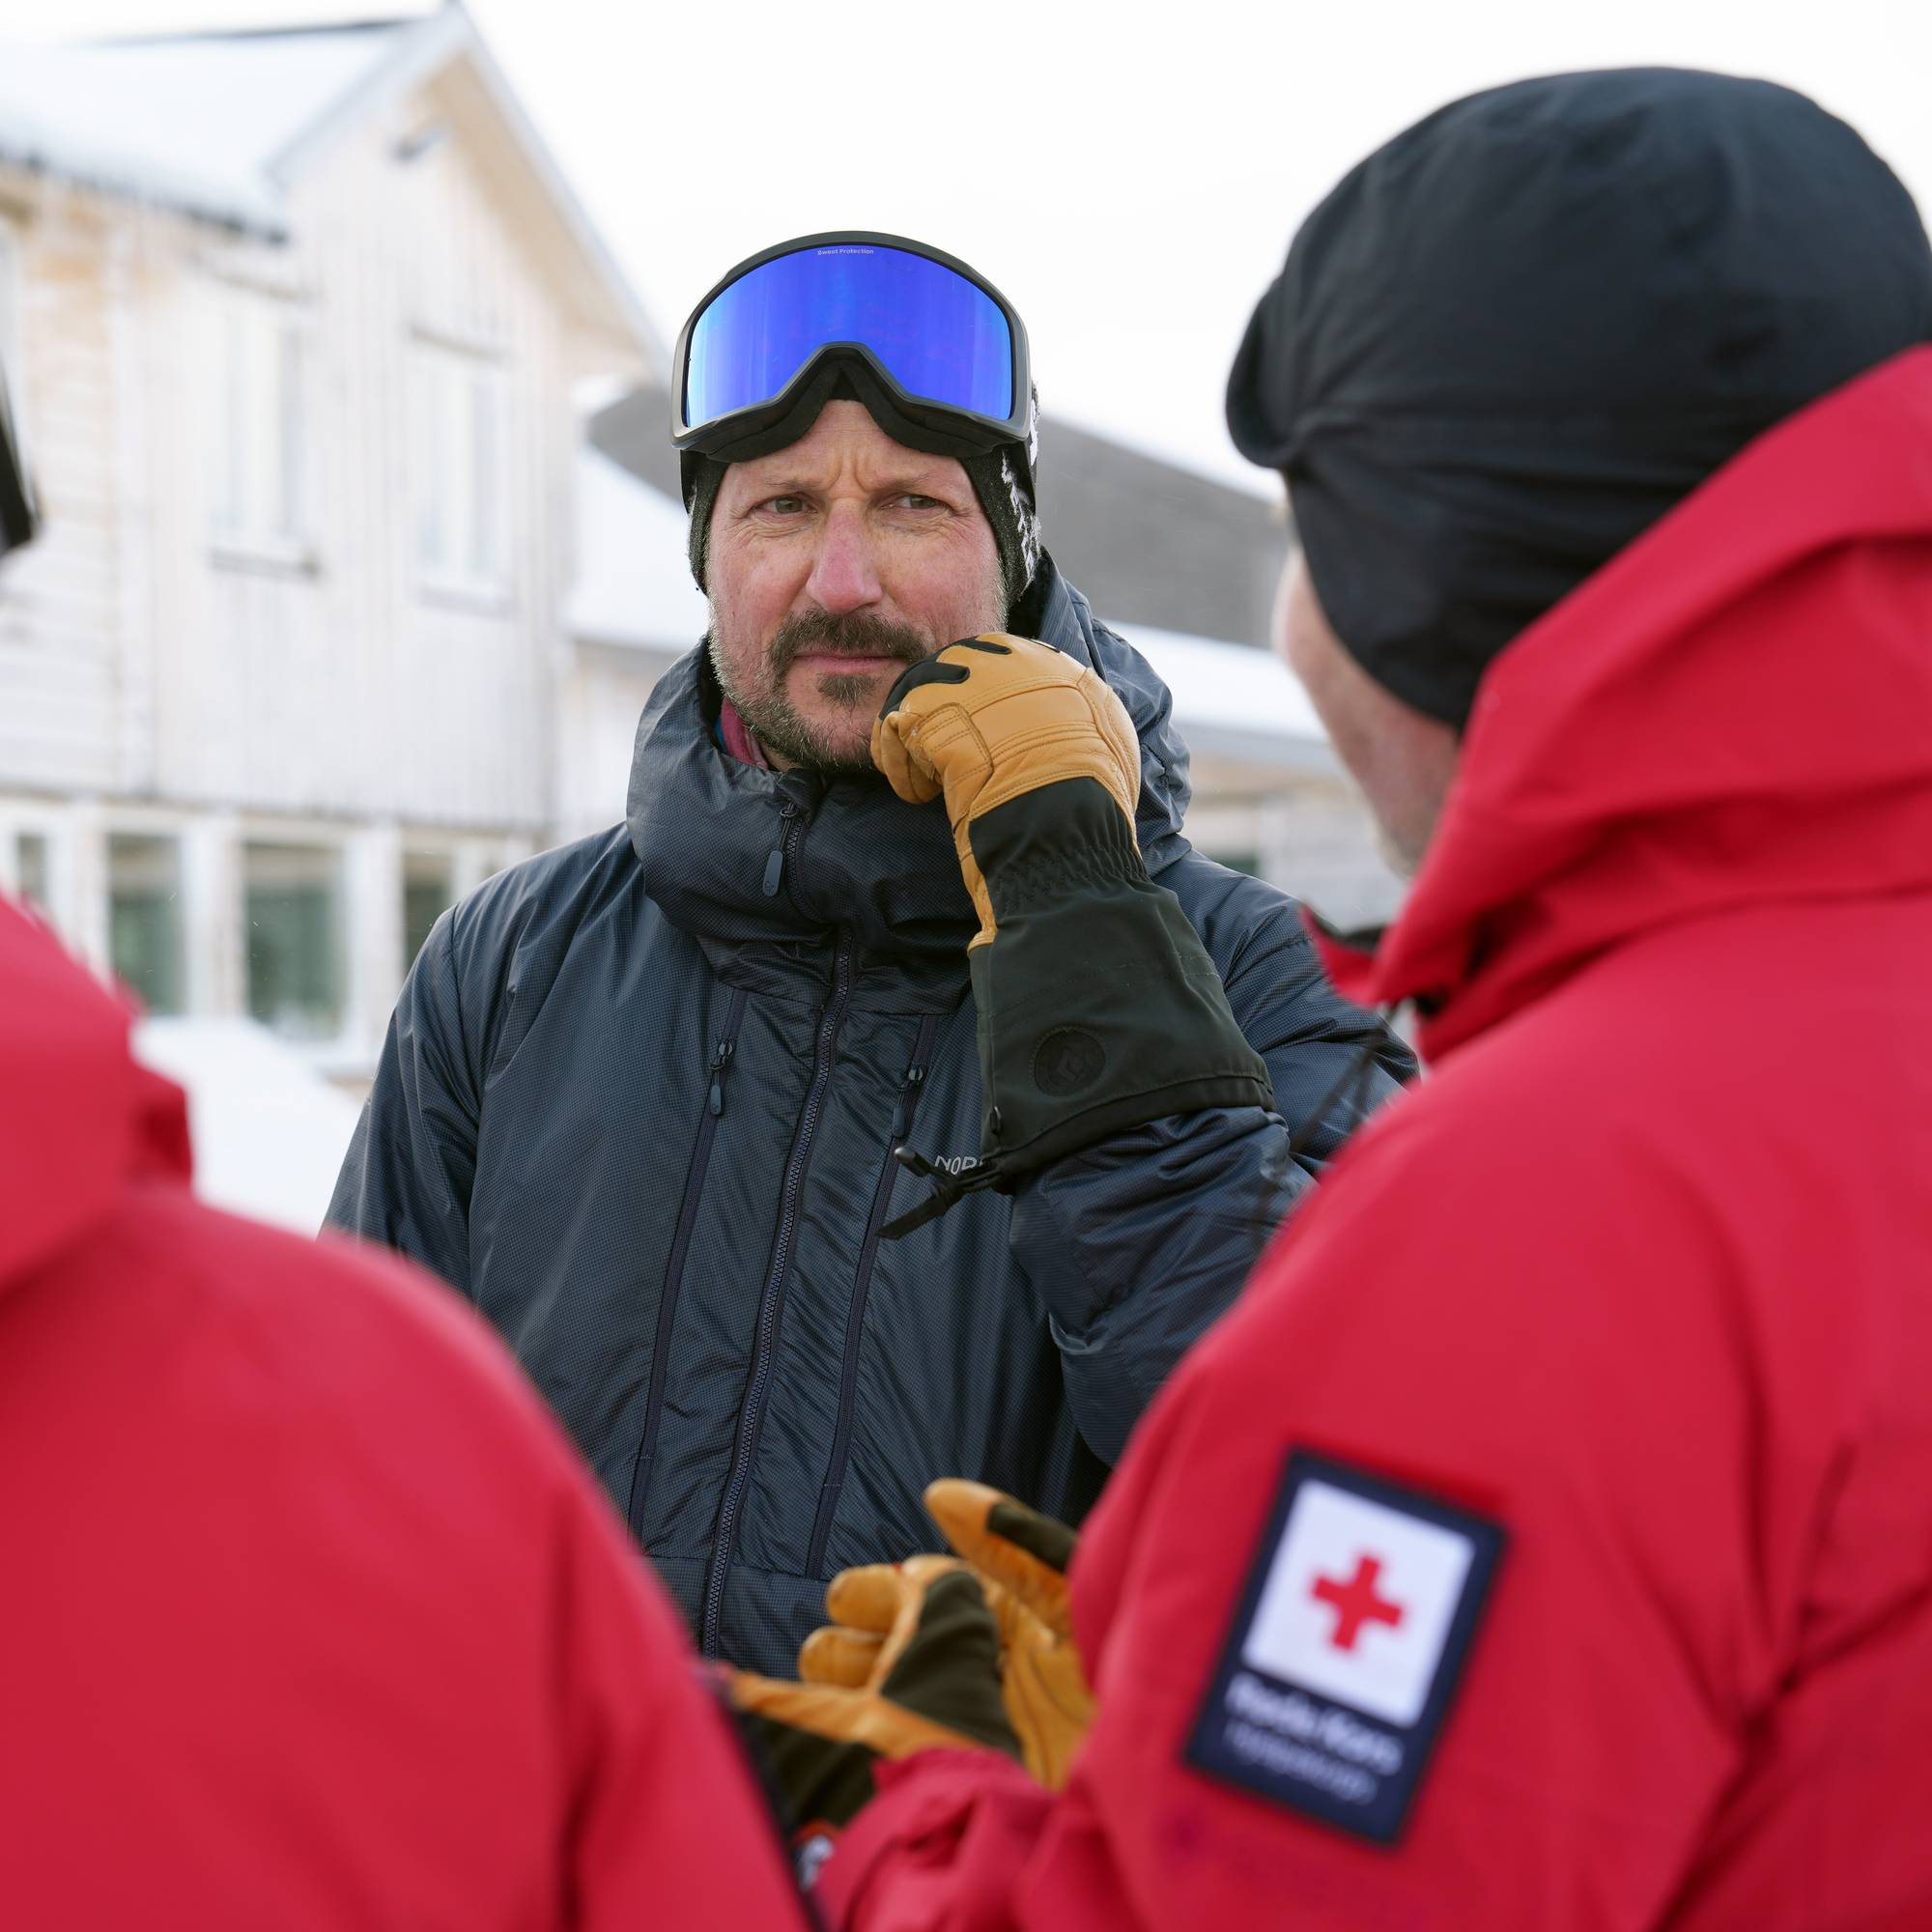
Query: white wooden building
[293, 322]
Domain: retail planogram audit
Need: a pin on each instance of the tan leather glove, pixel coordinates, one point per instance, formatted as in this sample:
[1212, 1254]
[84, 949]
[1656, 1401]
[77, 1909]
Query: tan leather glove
[1098, 1007]
[982, 733]
[1027, 1555]
[1020, 1557]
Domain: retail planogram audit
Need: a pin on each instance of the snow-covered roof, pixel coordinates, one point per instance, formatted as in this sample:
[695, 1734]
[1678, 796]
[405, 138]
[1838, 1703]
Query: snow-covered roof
[218, 124]
[195, 123]
[634, 584]
[270, 1132]
[1234, 700]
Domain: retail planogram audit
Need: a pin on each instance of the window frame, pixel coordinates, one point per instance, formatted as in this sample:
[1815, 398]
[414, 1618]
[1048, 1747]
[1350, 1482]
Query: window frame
[19, 820]
[425, 851]
[460, 509]
[135, 831]
[262, 351]
[297, 839]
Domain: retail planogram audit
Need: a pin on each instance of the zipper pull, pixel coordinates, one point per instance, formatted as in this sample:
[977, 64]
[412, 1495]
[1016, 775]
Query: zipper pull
[902, 1107]
[946, 1191]
[720, 1055]
[774, 865]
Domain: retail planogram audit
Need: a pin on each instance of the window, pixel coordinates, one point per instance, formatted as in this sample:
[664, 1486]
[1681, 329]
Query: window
[459, 467]
[144, 923]
[429, 885]
[33, 867]
[261, 457]
[291, 899]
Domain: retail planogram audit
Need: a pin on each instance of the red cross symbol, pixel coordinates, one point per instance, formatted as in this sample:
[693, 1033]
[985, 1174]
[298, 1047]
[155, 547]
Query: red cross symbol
[1355, 1602]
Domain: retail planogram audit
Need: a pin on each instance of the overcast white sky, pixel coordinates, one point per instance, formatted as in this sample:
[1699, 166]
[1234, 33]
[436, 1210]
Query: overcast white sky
[1128, 176]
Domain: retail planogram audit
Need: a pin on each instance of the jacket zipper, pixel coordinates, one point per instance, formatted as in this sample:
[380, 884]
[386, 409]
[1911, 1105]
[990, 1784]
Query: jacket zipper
[750, 1417]
[781, 856]
[722, 1051]
[904, 1107]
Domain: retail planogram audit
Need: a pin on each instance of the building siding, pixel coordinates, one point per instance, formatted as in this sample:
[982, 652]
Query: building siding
[342, 685]
[159, 682]
[59, 603]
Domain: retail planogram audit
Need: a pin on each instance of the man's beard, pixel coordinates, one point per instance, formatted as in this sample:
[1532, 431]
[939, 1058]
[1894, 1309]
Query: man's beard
[771, 715]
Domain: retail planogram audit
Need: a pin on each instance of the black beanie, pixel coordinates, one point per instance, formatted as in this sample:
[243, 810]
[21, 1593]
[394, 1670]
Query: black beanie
[1000, 481]
[1523, 330]
[705, 479]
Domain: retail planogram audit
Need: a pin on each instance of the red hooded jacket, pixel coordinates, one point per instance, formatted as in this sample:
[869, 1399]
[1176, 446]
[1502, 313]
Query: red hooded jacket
[1600, 1364]
[310, 1618]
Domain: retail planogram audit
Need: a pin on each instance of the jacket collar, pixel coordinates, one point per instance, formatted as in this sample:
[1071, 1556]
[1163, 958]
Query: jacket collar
[1731, 712]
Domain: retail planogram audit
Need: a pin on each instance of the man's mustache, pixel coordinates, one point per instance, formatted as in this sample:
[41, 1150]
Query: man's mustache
[856, 635]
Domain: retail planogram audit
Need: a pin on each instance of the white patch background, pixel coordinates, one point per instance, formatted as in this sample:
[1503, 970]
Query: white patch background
[1425, 1567]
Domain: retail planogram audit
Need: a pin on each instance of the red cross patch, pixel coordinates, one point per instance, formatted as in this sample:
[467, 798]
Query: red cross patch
[1357, 1614]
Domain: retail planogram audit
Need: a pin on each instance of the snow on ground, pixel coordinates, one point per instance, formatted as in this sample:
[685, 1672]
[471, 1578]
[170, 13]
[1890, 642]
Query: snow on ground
[270, 1131]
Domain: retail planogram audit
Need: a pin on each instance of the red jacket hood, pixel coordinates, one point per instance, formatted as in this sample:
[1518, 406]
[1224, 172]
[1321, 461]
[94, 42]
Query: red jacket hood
[78, 1118]
[1737, 709]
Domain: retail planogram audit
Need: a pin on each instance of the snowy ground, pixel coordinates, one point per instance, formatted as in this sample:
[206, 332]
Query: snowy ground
[270, 1132]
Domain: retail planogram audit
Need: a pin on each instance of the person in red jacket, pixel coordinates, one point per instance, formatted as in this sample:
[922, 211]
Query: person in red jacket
[311, 1618]
[1543, 1541]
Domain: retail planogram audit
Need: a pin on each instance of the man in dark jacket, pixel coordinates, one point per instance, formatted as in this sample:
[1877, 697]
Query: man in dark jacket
[640, 1097]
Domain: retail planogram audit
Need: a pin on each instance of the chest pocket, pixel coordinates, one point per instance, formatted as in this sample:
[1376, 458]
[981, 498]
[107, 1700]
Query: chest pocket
[719, 1066]
[905, 1108]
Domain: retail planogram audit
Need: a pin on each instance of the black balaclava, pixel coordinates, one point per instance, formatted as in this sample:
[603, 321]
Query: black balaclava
[16, 500]
[1519, 333]
[1000, 481]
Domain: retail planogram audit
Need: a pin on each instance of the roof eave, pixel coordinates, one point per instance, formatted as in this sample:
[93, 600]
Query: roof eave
[1276, 750]
[422, 51]
[258, 217]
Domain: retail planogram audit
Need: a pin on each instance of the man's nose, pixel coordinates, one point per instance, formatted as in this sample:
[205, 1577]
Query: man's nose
[844, 575]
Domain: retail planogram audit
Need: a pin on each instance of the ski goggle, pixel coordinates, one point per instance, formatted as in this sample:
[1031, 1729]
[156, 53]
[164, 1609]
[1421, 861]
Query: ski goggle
[934, 351]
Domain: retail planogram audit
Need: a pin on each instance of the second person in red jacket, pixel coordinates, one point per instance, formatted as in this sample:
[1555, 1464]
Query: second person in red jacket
[1542, 1541]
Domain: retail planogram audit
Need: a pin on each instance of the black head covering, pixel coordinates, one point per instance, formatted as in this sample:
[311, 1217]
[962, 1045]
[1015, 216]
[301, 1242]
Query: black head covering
[16, 500]
[1520, 332]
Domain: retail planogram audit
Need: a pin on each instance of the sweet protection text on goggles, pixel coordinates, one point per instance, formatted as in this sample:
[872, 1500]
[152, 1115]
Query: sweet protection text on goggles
[934, 351]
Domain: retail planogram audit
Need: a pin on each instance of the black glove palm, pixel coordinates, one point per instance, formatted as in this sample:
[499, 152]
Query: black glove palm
[933, 1685]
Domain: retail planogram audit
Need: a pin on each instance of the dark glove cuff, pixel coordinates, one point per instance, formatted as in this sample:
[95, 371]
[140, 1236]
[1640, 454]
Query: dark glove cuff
[819, 1780]
[1100, 1009]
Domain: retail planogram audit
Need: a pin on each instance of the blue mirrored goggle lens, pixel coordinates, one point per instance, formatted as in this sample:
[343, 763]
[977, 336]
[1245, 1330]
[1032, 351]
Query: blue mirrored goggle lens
[942, 338]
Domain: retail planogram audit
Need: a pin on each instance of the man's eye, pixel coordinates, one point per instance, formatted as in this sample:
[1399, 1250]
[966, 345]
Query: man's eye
[783, 506]
[913, 500]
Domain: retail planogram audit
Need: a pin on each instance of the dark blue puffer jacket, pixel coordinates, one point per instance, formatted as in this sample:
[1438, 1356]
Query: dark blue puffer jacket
[638, 1102]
